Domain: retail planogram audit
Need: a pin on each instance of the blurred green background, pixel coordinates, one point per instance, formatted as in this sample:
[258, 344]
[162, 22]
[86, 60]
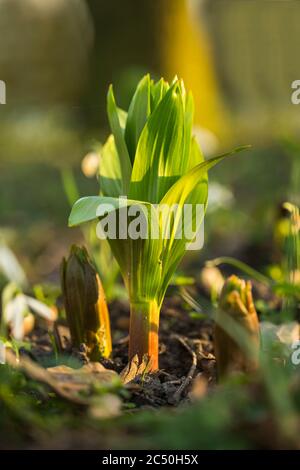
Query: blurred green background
[57, 58]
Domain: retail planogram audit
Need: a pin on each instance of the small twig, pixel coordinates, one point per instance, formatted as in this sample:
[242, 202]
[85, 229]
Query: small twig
[163, 373]
[189, 377]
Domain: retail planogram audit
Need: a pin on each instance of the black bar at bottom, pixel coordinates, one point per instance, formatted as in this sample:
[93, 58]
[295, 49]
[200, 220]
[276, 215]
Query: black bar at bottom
[135, 458]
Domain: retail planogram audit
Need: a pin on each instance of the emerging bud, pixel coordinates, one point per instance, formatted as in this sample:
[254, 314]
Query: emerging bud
[85, 304]
[237, 337]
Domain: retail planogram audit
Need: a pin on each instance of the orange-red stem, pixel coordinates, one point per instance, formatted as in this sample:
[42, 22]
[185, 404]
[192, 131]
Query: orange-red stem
[143, 333]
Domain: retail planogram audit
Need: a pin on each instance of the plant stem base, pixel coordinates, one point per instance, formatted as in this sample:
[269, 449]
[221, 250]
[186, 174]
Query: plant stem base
[143, 334]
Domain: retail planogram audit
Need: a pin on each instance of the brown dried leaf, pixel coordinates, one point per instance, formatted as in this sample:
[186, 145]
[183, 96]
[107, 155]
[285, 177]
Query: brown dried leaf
[135, 369]
[64, 381]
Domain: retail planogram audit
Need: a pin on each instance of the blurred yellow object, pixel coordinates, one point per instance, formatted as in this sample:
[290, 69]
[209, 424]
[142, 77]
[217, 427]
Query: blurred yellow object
[90, 164]
[282, 229]
[212, 280]
[186, 53]
[275, 272]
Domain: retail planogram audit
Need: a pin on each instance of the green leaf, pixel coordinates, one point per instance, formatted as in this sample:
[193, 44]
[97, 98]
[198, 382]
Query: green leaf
[110, 176]
[159, 159]
[173, 248]
[243, 267]
[189, 154]
[180, 191]
[196, 155]
[138, 113]
[139, 260]
[87, 208]
[192, 188]
[122, 115]
[118, 133]
[158, 91]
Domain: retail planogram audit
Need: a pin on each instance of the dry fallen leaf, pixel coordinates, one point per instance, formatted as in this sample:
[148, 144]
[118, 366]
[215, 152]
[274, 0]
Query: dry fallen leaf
[87, 375]
[74, 385]
[135, 369]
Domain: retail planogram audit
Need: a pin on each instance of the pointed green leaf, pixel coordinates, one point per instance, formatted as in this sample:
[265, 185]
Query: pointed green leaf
[158, 91]
[159, 159]
[196, 155]
[188, 124]
[192, 188]
[122, 118]
[138, 113]
[180, 191]
[118, 133]
[110, 176]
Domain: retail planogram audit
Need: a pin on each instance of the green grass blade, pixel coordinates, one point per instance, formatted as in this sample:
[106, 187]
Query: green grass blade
[243, 267]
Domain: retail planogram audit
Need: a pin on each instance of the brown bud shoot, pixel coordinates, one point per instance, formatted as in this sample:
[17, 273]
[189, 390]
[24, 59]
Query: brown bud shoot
[237, 337]
[85, 304]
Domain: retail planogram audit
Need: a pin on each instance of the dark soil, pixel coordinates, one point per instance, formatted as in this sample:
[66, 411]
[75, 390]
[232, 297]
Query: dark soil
[187, 363]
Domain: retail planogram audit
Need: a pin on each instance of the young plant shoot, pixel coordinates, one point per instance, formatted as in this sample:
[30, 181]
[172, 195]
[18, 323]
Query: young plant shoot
[151, 158]
[85, 304]
[237, 336]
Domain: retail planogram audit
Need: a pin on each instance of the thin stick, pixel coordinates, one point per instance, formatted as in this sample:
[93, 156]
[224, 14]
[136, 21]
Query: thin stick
[189, 377]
